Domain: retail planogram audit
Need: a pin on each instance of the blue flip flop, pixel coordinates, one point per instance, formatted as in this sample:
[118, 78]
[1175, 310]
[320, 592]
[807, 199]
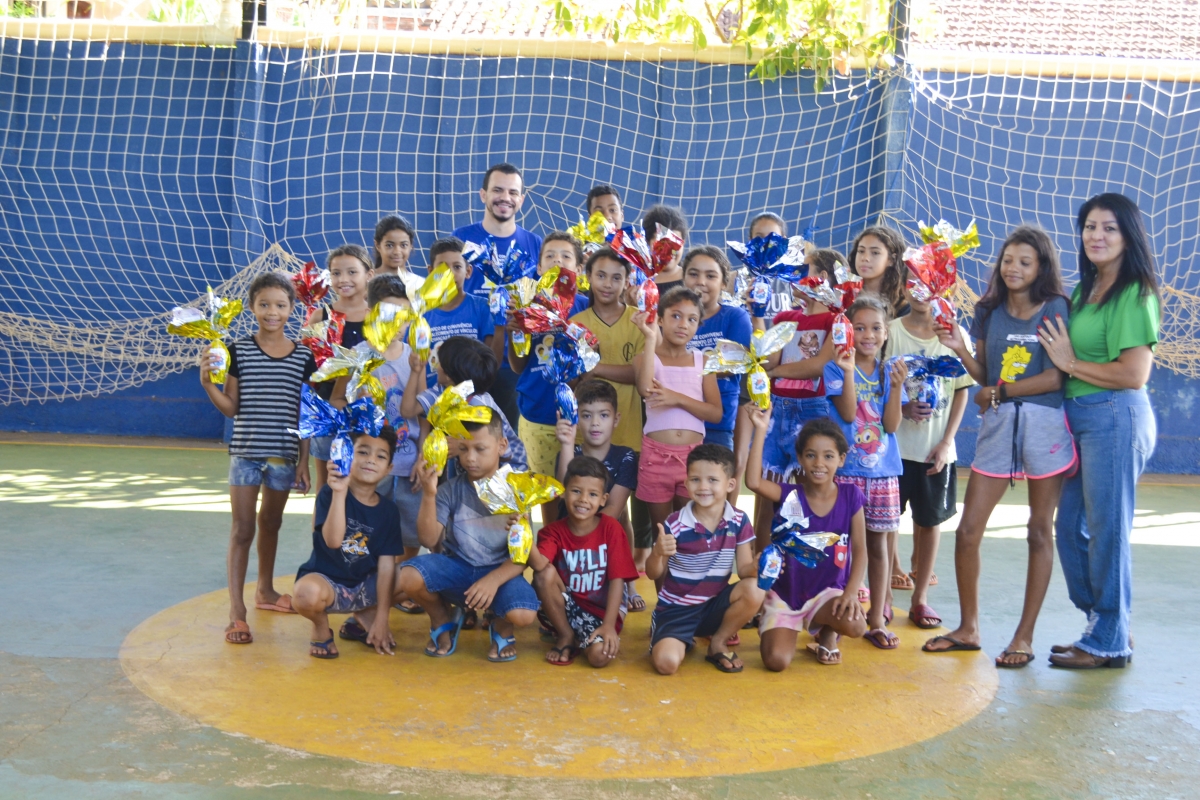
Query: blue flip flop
[501, 642]
[453, 627]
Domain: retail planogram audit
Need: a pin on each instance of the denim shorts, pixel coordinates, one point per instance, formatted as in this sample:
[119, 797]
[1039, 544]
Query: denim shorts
[274, 473]
[318, 447]
[723, 438]
[398, 489]
[450, 577]
[348, 599]
[788, 415]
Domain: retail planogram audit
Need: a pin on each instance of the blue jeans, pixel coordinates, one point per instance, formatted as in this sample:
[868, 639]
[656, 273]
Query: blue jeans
[1115, 434]
[723, 438]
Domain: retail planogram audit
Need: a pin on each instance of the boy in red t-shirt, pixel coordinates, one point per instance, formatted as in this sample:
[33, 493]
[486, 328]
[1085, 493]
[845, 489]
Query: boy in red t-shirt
[581, 564]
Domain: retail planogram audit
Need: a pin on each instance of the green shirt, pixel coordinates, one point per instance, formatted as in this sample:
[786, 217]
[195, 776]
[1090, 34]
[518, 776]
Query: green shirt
[1100, 333]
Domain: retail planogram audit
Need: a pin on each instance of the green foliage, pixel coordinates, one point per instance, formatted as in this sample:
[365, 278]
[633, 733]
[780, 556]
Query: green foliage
[20, 9]
[785, 35]
[190, 12]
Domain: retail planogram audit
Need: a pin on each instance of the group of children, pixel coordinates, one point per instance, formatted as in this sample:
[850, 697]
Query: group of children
[652, 467]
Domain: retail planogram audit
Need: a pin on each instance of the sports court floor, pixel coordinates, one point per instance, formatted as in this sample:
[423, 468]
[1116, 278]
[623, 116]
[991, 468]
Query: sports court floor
[114, 680]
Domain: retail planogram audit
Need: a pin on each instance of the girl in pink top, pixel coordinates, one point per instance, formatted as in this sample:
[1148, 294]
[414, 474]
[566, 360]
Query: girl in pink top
[680, 398]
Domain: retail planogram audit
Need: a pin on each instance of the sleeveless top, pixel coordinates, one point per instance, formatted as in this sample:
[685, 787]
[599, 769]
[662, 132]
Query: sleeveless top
[685, 380]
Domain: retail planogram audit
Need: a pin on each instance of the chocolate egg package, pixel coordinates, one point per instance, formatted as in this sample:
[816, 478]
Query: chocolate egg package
[426, 294]
[211, 323]
[572, 355]
[446, 417]
[730, 356]
[500, 270]
[357, 365]
[926, 377]
[319, 418]
[509, 492]
[934, 266]
[646, 261]
[770, 257]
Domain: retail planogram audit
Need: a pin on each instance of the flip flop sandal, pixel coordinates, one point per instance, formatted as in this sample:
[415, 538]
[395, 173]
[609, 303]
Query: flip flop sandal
[864, 595]
[501, 642]
[889, 614]
[725, 662]
[1000, 662]
[283, 605]
[912, 576]
[453, 627]
[825, 655]
[903, 582]
[733, 641]
[569, 651]
[411, 608]
[326, 648]
[633, 600]
[238, 627]
[353, 631]
[882, 638]
[955, 645]
[924, 617]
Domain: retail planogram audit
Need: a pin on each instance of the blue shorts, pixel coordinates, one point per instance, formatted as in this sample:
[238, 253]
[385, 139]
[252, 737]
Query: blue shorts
[348, 599]
[450, 577]
[318, 447]
[788, 415]
[398, 489]
[274, 473]
[685, 623]
[723, 438]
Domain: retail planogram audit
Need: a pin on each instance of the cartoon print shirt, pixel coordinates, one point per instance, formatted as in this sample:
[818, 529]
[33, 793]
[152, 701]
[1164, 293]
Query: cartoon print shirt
[372, 532]
[873, 453]
[588, 564]
[798, 584]
[916, 440]
[394, 377]
[811, 331]
[1011, 350]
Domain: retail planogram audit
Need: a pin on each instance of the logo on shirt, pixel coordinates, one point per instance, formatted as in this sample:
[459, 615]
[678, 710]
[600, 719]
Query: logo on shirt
[587, 569]
[1014, 362]
[356, 541]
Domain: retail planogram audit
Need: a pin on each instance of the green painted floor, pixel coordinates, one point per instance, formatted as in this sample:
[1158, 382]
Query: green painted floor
[96, 539]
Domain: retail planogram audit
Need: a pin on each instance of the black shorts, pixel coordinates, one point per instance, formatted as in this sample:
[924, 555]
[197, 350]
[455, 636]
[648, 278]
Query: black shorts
[685, 623]
[643, 527]
[934, 498]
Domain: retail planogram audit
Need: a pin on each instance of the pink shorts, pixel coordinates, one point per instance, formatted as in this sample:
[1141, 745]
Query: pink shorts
[882, 511]
[778, 614]
[662, 471]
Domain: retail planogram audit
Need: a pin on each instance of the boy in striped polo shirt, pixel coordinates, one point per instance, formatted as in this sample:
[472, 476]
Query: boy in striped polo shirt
[697, 553]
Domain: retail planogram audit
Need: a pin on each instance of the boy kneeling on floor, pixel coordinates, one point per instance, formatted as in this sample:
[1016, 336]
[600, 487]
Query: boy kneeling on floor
[582, 563]
[352, 569]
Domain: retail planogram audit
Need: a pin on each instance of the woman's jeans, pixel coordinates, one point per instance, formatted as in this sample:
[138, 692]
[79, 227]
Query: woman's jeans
[1115, 434]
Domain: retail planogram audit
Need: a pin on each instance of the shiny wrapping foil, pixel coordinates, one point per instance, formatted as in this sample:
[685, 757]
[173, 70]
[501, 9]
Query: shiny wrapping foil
[770, 566]
[210, 324]
[382, 324]
[958, 241]
[312, 285]
[789, 536]
[320, 336]
[935, 275]
[426, 294]
[508, 492]
[500, 271]
[319, 418]
[356, 364]
[925, 374]
[730, 356]
[592, 233]
[819, 290]
[842, 333]
[572, 355]
[446, 416]
[522, 294]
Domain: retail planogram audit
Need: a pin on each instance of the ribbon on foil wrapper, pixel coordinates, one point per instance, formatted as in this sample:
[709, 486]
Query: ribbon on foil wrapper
[521, 294]
[500, 271]
[508, 492]
[357, 365]
[788, 537]
[312, 286]
[209, 323]
[730, 356]
[321, 336]
[646, 261]
[592, 234]
[426, 294]
[550, 310]
[383, 323]
[446, 416]
[768, 257]
[925, 374]
[935, 268]
[319, 418]
[572, 354]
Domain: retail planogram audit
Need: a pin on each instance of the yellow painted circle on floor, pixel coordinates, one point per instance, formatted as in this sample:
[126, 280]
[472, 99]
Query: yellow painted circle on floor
[527, 718]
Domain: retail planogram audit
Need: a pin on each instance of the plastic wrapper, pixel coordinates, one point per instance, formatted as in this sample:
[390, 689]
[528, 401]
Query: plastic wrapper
[925, 374]
[521, 294]
[550, 310]
[631, 244]
[592, 233]
[446, 417]
[842, 333]
[773, 256]
[647, 300]
[320, 336]
[958, 241]
[848, 284]
[935, 275]
[425, 294]
[808, 548]
[571, 356]
[770, 566]
[382, 324]
[211, 323]
[356, 364]
[312, 286]
[819, 290]
[730, 356]
[508, 492]
[500, 271]
[319, 418]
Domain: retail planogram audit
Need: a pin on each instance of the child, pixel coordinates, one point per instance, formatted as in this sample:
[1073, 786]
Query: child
[865, 398]
[395, 239]
[262, 396]
[822, 600]
[695, 556]
[877, 256]
[352, 569]
[350, 270]
[673, 220]
[607, 200]
[583, 563]
[465, 315]
[401, 485]
[1023, 432]
[680, 398]
[535, 393]
[929, 482]
[761, 226]
[470, 566]
[598, 417]
[705, 269]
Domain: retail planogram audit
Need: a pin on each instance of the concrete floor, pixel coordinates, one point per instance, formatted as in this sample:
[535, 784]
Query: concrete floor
[97, 539]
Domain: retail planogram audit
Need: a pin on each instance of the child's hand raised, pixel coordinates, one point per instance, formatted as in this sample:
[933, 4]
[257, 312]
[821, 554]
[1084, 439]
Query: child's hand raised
[564, 431]
[897, 372]
[427, 474]
[415, 362]
[338, 482]
[665, 544]
[950, 336]
[648, 330]
[760, 418]
[844, 359]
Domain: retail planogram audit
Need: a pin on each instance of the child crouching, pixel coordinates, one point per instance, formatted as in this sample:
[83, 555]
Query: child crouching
[356, 536]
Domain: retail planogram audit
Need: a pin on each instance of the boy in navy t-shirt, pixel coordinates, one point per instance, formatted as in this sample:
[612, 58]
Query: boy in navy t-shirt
[465, 315]
[352, 569]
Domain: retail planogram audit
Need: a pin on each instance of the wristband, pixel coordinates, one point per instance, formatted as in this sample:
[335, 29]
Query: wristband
[1003, 392]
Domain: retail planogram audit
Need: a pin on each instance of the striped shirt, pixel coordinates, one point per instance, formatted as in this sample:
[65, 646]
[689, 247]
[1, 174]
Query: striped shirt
[268, 399]
[703, 560]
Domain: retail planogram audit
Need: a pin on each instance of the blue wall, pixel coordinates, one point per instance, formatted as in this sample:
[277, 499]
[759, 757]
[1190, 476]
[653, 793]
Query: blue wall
[135, 175]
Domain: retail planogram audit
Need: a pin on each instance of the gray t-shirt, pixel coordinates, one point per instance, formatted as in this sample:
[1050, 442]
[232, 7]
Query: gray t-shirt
[1011, 347]
[473, 533]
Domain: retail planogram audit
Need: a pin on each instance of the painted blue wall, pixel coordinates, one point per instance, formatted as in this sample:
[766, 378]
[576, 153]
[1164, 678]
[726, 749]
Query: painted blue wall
[135, 175]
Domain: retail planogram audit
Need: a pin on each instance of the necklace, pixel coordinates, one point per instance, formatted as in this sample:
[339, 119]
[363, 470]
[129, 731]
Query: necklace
[864, 378]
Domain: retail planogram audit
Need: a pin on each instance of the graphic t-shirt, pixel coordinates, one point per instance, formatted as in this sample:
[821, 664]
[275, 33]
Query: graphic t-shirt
[529, 242]
[473, 533]
[917, 439]
[704, 560]
[873, 453]
[471, 319]
[798, 584]
[779, 301]
[588, 564]
[811, 331]
[394, 377]
[1011, 350]
[619, 343]
[372, 532]
[734, 324]
[1100, 333]
[535, 393]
